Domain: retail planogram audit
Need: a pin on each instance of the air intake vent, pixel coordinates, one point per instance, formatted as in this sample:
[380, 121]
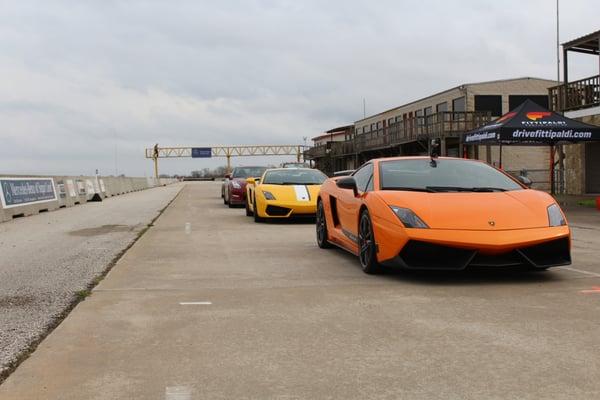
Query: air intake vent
[277, 211]
[423, 255]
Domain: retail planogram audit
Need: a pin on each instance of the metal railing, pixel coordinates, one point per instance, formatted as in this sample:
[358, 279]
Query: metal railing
[442, 124]
[576, 95]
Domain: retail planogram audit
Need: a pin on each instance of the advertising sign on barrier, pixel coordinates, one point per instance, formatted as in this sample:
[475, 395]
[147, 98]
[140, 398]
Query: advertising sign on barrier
[24, 191]
[89, 185]
[81, 187]
[201, 152]
[71, 188]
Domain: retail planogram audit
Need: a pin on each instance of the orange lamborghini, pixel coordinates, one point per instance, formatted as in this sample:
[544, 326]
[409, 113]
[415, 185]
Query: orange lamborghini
[442, 213]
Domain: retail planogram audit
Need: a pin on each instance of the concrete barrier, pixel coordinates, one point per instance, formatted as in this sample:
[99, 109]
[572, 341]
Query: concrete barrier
[21, 196]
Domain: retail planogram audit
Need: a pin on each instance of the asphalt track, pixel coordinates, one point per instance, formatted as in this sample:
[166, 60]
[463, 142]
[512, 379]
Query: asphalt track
[236, 310]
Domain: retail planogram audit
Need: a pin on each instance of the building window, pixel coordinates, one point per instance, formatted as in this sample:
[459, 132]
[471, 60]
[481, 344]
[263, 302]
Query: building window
[515, 101]
[419, 117]
[442, 107]
[491, 103]
[459, 105]
[428, 111]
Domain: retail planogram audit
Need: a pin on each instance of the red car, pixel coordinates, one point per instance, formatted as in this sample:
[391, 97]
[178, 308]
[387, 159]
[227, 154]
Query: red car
[233, 190]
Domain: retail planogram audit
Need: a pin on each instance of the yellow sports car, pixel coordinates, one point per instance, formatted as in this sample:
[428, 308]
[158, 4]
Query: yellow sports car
[283, 193]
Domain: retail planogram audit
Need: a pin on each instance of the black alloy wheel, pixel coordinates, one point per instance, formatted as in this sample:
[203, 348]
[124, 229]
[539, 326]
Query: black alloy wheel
[256, 217]
[321, 227]
[248, 211]
[366, 245]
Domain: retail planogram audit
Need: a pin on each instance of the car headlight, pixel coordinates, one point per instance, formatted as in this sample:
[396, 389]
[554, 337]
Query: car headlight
[408, 218]
[555, 216]
[236, 185]
[268, 195]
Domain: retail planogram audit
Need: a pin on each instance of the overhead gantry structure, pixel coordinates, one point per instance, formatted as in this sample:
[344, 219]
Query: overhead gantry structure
[157, 152]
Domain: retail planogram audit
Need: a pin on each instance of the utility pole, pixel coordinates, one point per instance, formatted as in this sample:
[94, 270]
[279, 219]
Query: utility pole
[557, 44]
[116, 162]
[364, 108]
[155, 158]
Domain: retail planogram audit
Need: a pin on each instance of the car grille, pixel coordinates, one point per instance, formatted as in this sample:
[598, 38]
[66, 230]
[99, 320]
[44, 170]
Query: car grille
[277, 211]
[424, 255]
[548, 254]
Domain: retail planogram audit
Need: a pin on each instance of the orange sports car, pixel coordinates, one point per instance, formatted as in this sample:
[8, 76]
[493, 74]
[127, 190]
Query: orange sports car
[442, 213]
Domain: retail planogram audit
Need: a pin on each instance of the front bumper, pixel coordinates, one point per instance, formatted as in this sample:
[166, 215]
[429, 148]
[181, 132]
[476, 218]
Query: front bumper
[237, 196]
[275, 209]
[456, 250]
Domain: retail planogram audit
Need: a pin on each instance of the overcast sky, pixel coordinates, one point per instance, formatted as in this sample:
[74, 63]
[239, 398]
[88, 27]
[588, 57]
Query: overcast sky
[83, 81]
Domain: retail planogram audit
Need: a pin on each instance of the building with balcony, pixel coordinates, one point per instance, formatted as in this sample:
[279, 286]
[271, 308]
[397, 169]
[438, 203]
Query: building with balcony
[579, 164]
[407, 129]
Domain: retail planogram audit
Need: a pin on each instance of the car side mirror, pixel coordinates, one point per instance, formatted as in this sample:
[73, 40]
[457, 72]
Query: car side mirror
[250, 180]
[525, 180]
[227, 176]
[348, 183]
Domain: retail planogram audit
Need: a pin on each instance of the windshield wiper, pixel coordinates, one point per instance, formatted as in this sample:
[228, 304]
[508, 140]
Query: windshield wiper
[488, 189]
[427, 189]
[465, 189]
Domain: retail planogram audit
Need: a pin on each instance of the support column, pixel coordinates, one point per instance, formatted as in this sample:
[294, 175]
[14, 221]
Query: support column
[563, 96]
[552, 169]
[156, 167]
[228, 163]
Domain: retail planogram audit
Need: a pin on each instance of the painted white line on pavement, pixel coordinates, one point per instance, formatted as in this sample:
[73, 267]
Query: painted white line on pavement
[195, 303]
[178, 393]
[581, 271]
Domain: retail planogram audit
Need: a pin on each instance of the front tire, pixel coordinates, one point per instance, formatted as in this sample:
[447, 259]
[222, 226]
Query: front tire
[321, 227]
[367, 248]
[257, 218]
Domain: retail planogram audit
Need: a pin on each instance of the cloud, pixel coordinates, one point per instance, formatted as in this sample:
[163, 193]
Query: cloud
[83, 81]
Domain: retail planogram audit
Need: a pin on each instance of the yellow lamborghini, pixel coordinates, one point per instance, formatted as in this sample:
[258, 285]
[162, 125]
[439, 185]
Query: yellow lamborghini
[283, 193]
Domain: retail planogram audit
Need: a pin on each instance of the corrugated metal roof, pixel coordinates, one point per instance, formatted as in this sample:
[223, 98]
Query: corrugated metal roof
[454, 88]
[589, 39]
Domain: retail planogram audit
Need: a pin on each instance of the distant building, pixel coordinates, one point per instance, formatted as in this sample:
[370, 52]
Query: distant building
[407, 129]
[579, 99]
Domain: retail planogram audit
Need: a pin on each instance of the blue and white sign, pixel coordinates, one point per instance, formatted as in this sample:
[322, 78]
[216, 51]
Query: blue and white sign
[24, 191]
[201, 152]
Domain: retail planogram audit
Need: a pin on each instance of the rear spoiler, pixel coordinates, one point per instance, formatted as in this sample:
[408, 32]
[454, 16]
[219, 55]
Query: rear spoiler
[343, 173]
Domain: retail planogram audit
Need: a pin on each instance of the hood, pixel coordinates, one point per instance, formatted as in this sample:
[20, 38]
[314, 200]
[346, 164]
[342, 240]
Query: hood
[291, 193]
[519, 209]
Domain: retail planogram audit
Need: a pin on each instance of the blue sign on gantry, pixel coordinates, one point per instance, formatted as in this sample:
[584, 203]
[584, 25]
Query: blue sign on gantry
[201, 152]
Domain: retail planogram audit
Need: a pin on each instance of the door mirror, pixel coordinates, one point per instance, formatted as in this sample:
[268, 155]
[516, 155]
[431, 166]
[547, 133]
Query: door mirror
[250, 180]
[227, 176]
[525, 180]
[347, 183]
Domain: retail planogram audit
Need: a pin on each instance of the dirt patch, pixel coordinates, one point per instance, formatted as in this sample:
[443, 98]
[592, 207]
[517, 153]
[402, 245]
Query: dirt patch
[102, 230]
[15, 301]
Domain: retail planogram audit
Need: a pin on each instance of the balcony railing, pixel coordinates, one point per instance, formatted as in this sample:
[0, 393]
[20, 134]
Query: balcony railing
[442, 124]
[334, 149]
[576, 95]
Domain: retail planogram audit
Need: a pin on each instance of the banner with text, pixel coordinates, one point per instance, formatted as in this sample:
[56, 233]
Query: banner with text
[23, 191]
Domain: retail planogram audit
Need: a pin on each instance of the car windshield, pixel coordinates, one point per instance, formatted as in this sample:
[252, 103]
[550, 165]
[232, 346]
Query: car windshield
[294, 177]
[248, 172]
[443, 175]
